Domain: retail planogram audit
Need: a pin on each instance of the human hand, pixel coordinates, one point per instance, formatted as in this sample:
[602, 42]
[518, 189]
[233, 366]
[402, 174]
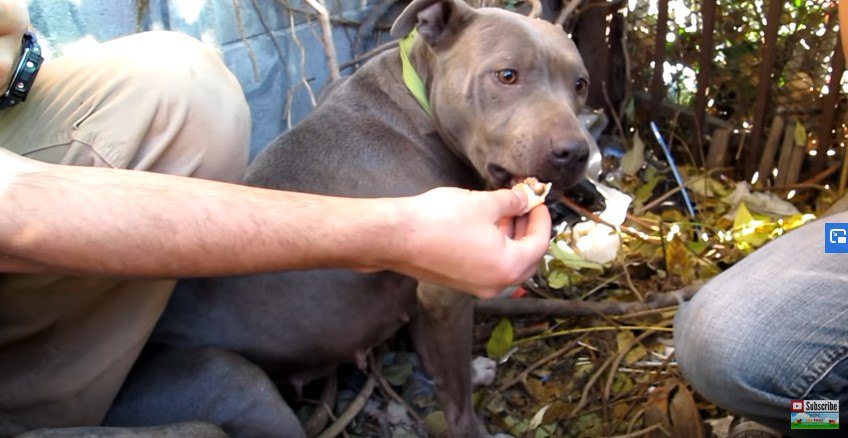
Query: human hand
[474, 241]
[14, 19]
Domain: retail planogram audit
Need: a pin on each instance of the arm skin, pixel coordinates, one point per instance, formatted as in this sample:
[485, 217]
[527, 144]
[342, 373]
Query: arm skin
[843, 25]
[109, 222]
[14, 20]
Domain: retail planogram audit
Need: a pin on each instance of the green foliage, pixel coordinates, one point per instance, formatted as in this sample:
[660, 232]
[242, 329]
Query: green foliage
[674, 245]
[501, 340]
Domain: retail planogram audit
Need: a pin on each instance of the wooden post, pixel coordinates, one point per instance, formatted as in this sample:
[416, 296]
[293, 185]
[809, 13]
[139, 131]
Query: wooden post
[718, 148]
[657, 86]
[767, 54]
[829, 102]
[785, 153]
[708, 14]
[595, 50]
[767, 162]
[799, 155]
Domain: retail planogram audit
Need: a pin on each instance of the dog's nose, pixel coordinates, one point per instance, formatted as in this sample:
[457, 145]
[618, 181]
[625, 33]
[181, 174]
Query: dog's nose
[572, 152]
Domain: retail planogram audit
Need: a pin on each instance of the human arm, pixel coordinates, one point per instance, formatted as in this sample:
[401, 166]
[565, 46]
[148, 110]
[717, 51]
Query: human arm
[14, 20]
[843, 25]
[108, 222]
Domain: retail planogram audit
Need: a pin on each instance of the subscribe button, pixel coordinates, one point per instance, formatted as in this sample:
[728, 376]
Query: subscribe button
[836, 237]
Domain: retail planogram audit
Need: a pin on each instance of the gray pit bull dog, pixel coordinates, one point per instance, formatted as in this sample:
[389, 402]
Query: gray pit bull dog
[504, 92]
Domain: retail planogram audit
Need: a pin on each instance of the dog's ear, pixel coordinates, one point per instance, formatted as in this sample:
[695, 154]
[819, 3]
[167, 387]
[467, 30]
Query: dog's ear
[434, 18]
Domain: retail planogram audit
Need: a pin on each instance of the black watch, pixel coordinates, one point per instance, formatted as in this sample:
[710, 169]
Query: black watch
[24, 73]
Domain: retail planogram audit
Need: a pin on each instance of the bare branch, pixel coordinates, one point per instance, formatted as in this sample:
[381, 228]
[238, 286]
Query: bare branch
[352, 410]
[327, 37]
[250, 54]
[536, 10]
[303, 81]
[557, 307]
[565, 13]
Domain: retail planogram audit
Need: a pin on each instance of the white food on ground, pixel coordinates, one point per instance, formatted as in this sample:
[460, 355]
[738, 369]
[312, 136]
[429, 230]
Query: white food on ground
[483, 372]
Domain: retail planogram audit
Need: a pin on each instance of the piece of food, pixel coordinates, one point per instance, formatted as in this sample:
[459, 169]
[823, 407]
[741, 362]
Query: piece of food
[536, 192]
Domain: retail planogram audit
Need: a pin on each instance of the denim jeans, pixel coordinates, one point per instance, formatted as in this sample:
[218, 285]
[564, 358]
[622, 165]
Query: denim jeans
[771, 329]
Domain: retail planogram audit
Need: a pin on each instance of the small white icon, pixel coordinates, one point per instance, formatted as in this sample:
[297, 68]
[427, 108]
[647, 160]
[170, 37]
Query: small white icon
[797, 406]
[838, 236]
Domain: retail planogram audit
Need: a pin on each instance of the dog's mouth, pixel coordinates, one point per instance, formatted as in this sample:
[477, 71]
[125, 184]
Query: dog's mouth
[502, 178]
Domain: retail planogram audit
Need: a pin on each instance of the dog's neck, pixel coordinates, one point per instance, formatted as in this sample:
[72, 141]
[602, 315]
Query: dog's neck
[420, 60]
[411, 78]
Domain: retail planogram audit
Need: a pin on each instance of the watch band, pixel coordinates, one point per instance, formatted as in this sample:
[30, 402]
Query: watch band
[24, 73]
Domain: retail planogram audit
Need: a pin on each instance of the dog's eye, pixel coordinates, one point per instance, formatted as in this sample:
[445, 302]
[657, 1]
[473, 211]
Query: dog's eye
[507, 76]
[580, 85]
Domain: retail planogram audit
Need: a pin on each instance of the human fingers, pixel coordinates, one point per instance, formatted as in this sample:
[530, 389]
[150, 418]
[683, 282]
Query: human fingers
[506, 225]
[534, 241]
[520, 226]
[505, 203]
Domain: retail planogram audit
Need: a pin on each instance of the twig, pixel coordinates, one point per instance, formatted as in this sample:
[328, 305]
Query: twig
[567, 10]
[611, 361]
[341, 21]
[250, 54]
[584, 396]
[628, 81]
[370, 22]
[387, 389]
[671, 192]
[558, 308]
[584, 212]
[552, 307]
[598, 408]
[270, 32]
[643, 432]
[318, 420]
[326, 37]
[620, 356]
[536, 8]
[664, 247]
[799, 186]
[523, 375]
[352, 410]
[644, 313]
[642, 222]
[741, 145]
[369, 54]
[602, 328]
[601, 286]
[303, 81]
[531, 286]
[675, 136]
[823, 174]
[630, 282]
[640, 412]
[613, 112]
[142, 9]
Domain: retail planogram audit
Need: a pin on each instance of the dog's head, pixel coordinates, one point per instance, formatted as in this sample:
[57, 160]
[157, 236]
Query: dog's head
[504, 90]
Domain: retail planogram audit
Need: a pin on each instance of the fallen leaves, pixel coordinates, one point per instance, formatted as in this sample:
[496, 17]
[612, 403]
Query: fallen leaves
[602, 376]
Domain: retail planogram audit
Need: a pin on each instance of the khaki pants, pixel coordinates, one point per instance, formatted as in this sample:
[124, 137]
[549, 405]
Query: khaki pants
[159, 102]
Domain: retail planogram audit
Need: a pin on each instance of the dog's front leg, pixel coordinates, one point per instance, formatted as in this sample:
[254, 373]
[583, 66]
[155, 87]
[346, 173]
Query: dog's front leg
[442, 332]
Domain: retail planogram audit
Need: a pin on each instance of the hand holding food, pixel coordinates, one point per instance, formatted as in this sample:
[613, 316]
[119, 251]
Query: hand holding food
[536, 192]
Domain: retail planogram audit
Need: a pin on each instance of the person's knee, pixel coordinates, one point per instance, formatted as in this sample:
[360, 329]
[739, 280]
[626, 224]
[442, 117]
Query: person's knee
[200, 105]
[714, 348]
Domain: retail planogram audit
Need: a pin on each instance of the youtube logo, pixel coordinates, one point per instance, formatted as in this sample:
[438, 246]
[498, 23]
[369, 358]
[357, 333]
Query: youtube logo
[797, 406]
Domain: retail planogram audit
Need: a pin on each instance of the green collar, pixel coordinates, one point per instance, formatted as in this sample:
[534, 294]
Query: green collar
[410, 76]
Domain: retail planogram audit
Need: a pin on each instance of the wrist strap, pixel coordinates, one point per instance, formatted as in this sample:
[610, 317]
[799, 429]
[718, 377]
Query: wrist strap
[24, 73]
